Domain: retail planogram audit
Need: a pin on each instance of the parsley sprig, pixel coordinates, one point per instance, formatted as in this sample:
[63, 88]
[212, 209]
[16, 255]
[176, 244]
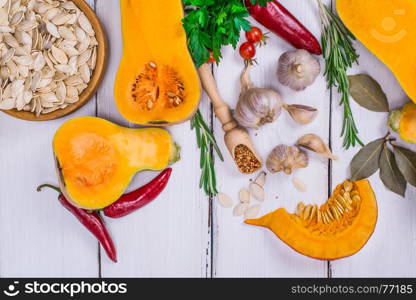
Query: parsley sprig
[212, 24]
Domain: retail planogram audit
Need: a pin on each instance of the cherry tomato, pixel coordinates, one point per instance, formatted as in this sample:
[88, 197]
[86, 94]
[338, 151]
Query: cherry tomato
[255, 35]
[248, 50]
[211, 57]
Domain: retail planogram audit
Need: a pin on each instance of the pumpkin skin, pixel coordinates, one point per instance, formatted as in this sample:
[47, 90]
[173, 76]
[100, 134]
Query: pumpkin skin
[97, 159]
[341, 237]
[387, 29]
[403, 121]
[156, 65]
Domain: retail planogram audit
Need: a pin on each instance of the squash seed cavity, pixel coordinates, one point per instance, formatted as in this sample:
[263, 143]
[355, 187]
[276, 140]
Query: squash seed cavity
[158, 86]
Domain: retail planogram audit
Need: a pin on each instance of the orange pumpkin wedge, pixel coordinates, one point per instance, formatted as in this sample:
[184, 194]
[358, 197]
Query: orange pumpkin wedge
[337, 229]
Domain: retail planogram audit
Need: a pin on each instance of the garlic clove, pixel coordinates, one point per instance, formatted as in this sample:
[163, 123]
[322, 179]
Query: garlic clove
[301, 114]
[314, 143]
[286, 158]
[298, 69]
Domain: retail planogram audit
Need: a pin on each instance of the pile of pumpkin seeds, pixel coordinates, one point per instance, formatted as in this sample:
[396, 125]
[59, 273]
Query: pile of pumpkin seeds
[48, 52]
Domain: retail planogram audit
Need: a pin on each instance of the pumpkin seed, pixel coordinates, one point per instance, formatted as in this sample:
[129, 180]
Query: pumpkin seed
[244, 196]
[299, 185]
[261, 179]
[224, 200]
[257, 192]
[252, 212]
[299, 208]
[239, 209]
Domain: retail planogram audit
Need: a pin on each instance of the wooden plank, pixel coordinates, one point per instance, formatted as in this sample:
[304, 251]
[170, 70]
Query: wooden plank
[241, 250]
[39, 238]
[170, 237]
[392, 248]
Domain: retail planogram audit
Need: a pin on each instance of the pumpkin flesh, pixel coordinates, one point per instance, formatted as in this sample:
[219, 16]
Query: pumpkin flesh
[157, 83]
[387, 29]
[342, 234]
[97, 159]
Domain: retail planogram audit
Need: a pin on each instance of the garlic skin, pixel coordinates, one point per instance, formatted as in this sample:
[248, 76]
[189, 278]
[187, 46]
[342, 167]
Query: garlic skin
[256, 106]
[314, 143]
[301, 114]
[298, 69]
[286, 158]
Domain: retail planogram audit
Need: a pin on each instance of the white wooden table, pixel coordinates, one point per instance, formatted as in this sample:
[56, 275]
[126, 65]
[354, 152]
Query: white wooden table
[184, 233]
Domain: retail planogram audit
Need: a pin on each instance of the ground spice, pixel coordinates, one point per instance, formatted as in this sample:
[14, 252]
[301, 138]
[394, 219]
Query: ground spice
[246, 160]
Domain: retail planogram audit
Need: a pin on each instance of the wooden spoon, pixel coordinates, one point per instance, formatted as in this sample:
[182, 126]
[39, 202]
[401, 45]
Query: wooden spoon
[234, 134]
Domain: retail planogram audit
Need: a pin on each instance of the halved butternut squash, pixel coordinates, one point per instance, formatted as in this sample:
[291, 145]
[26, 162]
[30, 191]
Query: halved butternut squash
[339, 228]
[386, 28]
[157, 83]
[97, 159]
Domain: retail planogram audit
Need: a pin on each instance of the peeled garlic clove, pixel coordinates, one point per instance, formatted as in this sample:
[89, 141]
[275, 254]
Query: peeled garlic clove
[239, 209]
[298, 69]
[257, 192]
[301, 114]
[286, 158]
[244, 196]
[224, 200]
[315, 143]
[252, 211]
[261, 179]
[256, 106]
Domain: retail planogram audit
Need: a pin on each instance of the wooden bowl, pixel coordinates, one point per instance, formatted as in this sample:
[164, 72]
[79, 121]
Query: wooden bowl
[88, 93]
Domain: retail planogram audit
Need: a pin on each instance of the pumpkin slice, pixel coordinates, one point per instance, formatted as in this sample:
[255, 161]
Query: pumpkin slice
[337, 229]
[157, 83]
[97, 159]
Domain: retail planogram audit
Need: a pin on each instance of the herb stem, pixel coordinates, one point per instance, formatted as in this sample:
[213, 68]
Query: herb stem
[339, 55]
[208, 145]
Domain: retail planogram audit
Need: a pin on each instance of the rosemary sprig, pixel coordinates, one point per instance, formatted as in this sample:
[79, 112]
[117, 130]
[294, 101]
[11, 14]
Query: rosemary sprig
[340, 55]
[206, 143]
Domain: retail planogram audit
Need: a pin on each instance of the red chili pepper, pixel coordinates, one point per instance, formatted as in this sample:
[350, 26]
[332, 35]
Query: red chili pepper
[138, 198]
[91, 220]
[279, 20]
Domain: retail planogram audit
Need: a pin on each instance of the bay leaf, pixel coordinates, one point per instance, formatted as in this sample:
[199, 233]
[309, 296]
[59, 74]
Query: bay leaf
[365, 162]
[406, 161]
[368, 93]
[390, 174]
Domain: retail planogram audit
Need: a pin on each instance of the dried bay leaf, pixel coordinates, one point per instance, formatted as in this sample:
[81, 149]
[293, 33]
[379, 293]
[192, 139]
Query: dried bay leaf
[366, 162]
[406, 162]
[368, 93]
[390, 174]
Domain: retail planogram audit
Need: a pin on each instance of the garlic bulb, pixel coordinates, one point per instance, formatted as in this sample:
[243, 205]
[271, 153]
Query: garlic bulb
[298, 69]
[286, 158]
[256, 106]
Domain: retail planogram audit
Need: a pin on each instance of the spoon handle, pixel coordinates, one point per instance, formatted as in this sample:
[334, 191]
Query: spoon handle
[221, 109]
